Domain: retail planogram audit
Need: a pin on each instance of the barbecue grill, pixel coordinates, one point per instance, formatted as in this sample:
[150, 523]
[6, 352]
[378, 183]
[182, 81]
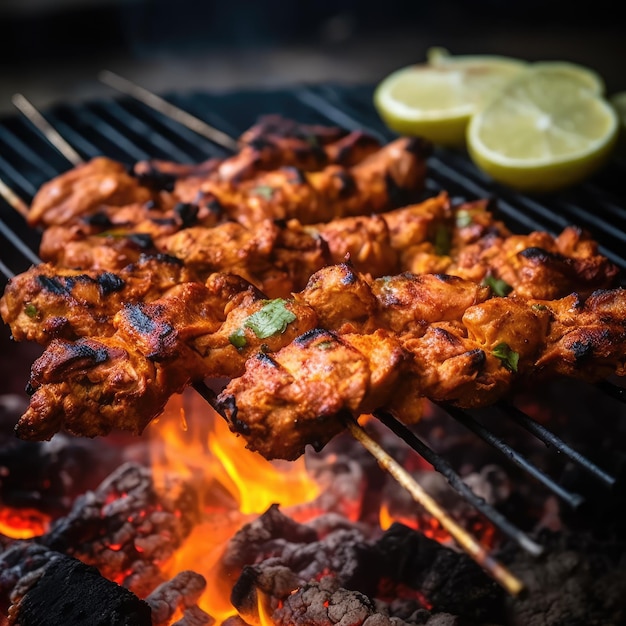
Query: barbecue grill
[126, 129]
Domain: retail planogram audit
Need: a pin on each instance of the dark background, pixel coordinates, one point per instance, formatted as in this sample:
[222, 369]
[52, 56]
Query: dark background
[52, 50]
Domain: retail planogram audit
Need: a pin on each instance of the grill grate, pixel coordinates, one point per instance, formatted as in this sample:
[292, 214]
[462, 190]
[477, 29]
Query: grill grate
[127, 130]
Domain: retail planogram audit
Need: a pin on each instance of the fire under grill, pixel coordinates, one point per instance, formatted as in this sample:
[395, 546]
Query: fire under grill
[573, 458]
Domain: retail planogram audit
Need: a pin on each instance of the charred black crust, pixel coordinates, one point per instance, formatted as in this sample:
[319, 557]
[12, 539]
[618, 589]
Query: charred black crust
[110, 283]
[266, 359]
[55, 285]
[161, 257]
[226, 406]
[398, 195]
[99, 219]
[141, 240]
[107, 283]
[582, 351]
[478, 357]
[155, 179]
[160, 332]
[187, 213]
[360, 140]
[86, 351]
[447, 278]
[164, 221]
[348, 186]
[138, 318]
[213, 205]
[420, 147]
[539, 254]
[311, 335]
[260, 143]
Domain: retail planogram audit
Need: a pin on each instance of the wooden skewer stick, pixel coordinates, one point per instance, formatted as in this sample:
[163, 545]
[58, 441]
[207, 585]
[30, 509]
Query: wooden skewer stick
[465, 540]
[469, 543]
[51, 134]
[163, 106]
[13, 199]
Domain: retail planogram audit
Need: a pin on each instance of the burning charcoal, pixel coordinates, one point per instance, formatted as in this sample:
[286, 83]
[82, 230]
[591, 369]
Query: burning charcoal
[51, 589]
[298, 547]
[446, 581]
[403, 571]
[255, 538]
[180, 593]
[127, 526]
[274, 581]
[325, 604]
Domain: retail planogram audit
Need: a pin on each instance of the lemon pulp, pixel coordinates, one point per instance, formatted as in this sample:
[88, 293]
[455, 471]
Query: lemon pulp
[546, 129]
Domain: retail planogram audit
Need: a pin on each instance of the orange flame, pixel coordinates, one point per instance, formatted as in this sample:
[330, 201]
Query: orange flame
[236, 485]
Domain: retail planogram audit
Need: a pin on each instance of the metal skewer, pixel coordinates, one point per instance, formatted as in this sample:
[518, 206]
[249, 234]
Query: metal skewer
[469, 544]
[166, 108]
[465, 540]
[50, 133]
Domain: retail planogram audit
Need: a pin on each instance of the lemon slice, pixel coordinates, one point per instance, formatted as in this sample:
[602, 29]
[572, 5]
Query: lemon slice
[545, 130]
[586, 76]
[435, 100]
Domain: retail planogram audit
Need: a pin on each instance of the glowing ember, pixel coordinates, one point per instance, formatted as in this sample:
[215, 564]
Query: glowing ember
[22, 523]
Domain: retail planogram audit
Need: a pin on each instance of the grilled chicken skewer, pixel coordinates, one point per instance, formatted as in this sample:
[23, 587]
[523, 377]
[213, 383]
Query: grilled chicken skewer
[48, 301]
[102, 192]
[344, 344]
[271, 143]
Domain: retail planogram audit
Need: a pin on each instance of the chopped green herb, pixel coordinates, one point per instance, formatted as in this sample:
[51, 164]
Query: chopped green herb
[539, 307]
[325, 345]
[463, 218]
[112, 233]
[265, 191]
[238, 338]
[442, 240]
[497, 285]
[271, 319]
[509, 358]
[31, 310]
[312, 141]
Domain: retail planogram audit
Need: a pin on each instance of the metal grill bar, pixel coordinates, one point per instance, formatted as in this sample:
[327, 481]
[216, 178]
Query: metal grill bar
[550, 439]
[573, 499]
[456, 482]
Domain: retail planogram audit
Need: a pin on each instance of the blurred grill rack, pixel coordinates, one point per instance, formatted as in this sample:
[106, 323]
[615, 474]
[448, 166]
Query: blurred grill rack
[124, 129]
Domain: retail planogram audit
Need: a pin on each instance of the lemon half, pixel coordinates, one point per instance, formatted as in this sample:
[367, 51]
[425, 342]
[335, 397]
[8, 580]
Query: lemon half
[435, 100]
[546, 129]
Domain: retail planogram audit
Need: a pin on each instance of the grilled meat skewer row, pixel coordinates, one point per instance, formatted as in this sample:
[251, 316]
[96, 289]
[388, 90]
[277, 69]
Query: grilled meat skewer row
[161, 346]
[47, 302]
[271, 143]
[344, 344]
[73, 205]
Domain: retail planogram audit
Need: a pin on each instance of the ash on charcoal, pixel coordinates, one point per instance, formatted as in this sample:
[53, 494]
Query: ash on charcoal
[181, 593]
[126, 526]
[369, 573]
[49, 588]
[581, 580]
